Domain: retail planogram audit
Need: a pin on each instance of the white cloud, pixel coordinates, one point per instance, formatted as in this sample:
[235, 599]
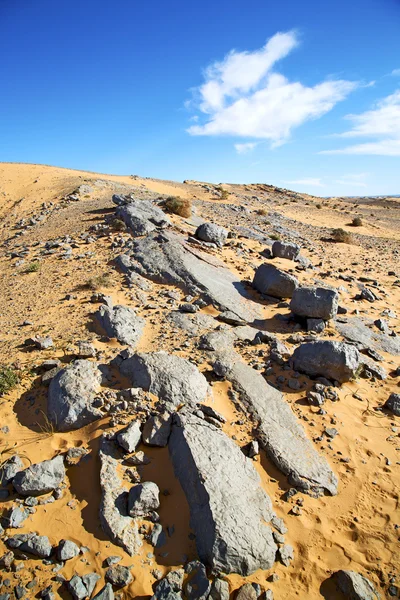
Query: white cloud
[381, 123]
[309, 181]
[242, 97]
[353, 179]
[245, 148]
[395, 73]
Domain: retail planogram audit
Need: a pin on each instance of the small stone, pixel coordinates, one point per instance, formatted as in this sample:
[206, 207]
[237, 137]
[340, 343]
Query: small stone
[119, 576]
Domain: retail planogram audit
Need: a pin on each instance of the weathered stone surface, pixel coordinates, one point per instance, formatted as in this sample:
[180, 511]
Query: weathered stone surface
[121, 322]
[357, 330]
[210, 232]
[392, 404]
[166, 591]
[82, 587]
[158, 536]
[279, 432]
[334, 360]
[143, 499]
[287, 250]
[219, 590]
[170, 377]
[40, 478]
[355, 586]
[229, 511]
[71, 395]
[315, 303]
[273, 282]
[157, 429]
[192, 323]
[119, 576]
[216, 341]
[9, 469]
[114, 517]
[67, 550]
[38, 545]
[197, 586]
[246, 592]
[106, 593]
[286, 554]
[167, 258]
[142, 217]
[129, 438]
[17, 516]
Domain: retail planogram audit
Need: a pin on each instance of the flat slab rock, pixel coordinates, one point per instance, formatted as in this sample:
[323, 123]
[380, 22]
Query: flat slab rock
[334, 360]
[357, 330]
[229, 511]
[170, 377]
[114, 516]
[121, 322]
[40, 478]
[71, 394]
[142, 217]
[279, 431]
[166, 258]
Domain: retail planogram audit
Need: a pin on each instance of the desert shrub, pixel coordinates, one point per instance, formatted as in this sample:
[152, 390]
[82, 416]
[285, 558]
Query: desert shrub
[340, 235]
[8, 379]
[179, 206]
[262, 212]
[224, 193]
[118, 225]
[357, 222]
[98, 281]
[319, 206]
[275, 237]
[33, 267]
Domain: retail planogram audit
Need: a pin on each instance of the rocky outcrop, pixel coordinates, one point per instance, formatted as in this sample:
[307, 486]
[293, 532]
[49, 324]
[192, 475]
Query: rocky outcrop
[355, 586]
[315, 303]
[210, 232]
[172, 378]
[114, 517]
[334, 360]
[142, 217]
[41, 478]
[358, 331]
[71, 395]
[121, 322]
[229, 511]
[279, 432]
[273, 282]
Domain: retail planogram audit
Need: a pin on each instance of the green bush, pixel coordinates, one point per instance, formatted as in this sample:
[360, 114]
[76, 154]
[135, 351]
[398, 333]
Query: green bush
[8, 379]
[33, 267]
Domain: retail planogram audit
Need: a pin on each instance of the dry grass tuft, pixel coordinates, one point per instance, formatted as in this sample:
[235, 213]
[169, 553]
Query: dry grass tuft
[357, 222]
[342, 236]
[179, 206]
[97, 282]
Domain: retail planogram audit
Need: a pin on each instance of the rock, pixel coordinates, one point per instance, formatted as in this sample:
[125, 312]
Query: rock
[7, 560]
[286, 554]
[90, 580]
[38, 545]
[315, 303]
[219, 340]
[355, 586]
[143, 499]
[42, 343]
[129, 438]
[357, 330]
[197, 586]
[170, 377]
[219, 590]
[106, 593]
[82, 587]
[273, 282]
[158, 537]
[121, 322]
[195, 324]
[392, 404]
[175, 579]
[279, 432]
[71, 395]
[17, 516]
[85, 350]
[157, 430]
[114, 517]
[139, 458]
[142, 217]
[67, 550]
[165, 591]
[287, 250]
[119, 576]
[9, 469]
[253, 449]
[166, 258]
[246, 592]
[229, 511]
[315, 325]
[209, 232]
[40, 478]
[334, 360]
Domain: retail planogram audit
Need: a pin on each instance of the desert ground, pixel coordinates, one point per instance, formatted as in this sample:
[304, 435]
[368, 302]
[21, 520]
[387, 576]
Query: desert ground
[61, 239]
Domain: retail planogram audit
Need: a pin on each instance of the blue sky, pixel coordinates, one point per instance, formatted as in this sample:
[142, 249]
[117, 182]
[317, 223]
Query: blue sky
[304, 95]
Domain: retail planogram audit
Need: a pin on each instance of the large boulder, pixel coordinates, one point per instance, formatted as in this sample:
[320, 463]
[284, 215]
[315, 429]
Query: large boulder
[278, 429]
[40, 478]
[334, 360]
[355, 587]
[142, 217]
[314, 303]
[71, 395]
[121, 322]
[170, 377]
[273, 282]
[229, 511]
[210, 232]
[167, 258]
[288, 250]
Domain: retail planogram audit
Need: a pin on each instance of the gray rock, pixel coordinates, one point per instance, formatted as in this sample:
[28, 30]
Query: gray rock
[355, 586]
[40, 478]
[157, 430]
[392, 404]
[9, 469]
[334, 360]
[229, 511]
[287, 250]
[219, 340]
[315, 303]
[139, 458]
[114, 517]
[166, 258]
[286, 554]
[106, 593]
[17, 516]
[209, 232]
[85, 350]
[82, 587]
[246, 592]
[142, 217]
[71, 395]
[357, 330]
[67, 550]
[38, 545]
[315, 325]
[195, 324]
[143, 499]
[170, 377]
[175, 579]
[158, 536]
[165, 591]
[219, 590]
[119, 576]
[273, 282]
[197, 586]
[121, 322]
[279, 432]
[129, 438]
